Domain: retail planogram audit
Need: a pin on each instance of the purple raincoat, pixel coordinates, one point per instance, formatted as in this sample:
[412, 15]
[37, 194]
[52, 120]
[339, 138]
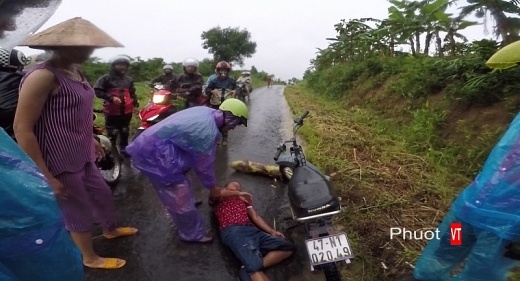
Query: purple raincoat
[183, 141]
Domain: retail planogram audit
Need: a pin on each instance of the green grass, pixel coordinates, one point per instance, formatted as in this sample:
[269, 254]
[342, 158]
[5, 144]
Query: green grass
[388, 173]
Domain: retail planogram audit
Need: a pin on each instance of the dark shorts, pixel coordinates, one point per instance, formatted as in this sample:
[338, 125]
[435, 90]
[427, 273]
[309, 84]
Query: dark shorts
[250, 244]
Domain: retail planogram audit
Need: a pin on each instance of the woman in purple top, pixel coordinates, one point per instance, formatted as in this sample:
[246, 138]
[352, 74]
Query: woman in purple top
[53, 124]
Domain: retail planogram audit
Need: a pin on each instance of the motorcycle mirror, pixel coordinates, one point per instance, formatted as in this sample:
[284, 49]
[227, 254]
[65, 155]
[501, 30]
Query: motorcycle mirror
[20, 19]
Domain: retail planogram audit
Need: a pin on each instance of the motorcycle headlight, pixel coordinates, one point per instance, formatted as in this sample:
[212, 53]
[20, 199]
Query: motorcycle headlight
[158, 98]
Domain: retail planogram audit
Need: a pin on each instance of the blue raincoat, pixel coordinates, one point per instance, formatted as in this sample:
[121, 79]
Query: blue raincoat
[34, 244]
[489, 211]
[166, 152]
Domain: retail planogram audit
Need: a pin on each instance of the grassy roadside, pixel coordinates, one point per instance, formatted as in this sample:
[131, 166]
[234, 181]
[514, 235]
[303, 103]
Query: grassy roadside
[381, 182]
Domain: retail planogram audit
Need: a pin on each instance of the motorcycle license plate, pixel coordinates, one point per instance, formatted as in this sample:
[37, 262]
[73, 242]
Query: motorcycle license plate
[329, 249]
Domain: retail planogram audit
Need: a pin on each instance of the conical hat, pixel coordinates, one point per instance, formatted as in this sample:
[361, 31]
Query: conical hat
[72, 32]
[506, 57]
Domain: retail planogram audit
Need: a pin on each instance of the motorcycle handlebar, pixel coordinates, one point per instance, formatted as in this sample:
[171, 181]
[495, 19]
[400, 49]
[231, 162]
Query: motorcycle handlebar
[300, 119]
[278, 153]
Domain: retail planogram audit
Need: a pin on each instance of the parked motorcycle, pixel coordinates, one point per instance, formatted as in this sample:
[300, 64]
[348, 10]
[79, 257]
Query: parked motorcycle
[159, 107]
[110, 165]
[313, 202]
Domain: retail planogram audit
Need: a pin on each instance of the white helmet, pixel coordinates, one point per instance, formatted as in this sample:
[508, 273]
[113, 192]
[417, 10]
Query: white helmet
[168, 66]
[191, 62]
[13, 58]
[119, 59]
[246, 73]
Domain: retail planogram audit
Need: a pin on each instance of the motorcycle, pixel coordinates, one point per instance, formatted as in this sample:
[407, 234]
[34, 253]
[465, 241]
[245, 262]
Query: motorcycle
[312, 202]
[158, 108]
[201, 100]
[241, 91]
[110, 165]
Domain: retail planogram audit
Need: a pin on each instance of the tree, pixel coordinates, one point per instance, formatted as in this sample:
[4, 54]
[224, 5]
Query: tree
[229, 44]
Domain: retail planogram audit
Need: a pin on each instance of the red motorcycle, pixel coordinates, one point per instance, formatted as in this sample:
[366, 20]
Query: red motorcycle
[158, 108]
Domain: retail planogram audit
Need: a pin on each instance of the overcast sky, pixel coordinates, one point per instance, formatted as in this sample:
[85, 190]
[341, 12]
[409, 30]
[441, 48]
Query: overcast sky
[287, 32]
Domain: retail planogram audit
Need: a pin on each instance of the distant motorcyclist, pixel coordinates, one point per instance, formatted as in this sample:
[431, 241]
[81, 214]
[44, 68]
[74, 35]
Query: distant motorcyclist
[118, 91]
[189, 82]
[166, 78]
[245, 78]
[215, 86]
[11, 64]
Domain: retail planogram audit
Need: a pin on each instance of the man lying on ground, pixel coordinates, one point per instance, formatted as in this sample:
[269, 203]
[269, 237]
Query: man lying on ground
[253, 242]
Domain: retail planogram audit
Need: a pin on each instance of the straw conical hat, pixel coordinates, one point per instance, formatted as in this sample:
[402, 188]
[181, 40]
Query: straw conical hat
[72, 32]
[506, 57]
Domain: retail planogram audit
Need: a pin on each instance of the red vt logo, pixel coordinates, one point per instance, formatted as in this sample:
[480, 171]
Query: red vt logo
[456, 233]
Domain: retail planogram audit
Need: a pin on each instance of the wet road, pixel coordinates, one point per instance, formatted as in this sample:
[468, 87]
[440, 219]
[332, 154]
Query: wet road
[156, 254]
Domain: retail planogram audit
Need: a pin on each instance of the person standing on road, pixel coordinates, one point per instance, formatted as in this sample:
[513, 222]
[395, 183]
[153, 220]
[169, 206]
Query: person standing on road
[185, 141]
[120, 101]
[53, 125]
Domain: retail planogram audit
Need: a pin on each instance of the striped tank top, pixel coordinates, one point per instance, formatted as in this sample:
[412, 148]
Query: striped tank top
[64, 130]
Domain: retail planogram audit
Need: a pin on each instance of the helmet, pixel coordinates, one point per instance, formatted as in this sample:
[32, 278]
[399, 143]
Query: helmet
[13, 58]
[223, 65]
[120, 59]
[190, 62]
[506, 57]
[168, 66]
[246, 73]
[237, 108]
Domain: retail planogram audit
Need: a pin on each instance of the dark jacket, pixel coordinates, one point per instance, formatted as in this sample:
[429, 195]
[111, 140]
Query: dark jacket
[9, 86]
[164, 79]
[113, 85]
[195, 80]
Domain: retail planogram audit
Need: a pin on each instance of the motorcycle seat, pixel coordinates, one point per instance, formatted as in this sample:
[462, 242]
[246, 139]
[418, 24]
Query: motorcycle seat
[309, 189]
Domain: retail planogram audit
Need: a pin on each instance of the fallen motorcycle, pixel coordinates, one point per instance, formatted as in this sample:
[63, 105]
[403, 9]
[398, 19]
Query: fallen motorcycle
[312, 202]
[110, 165]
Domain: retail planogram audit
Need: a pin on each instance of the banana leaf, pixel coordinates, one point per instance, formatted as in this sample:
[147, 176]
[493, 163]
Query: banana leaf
[250, 167]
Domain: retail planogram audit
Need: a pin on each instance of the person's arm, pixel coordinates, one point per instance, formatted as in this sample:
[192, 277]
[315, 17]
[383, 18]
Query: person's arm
[34, 92]
[218, 193]
[133, 94]
[211, 86]
[100, 88]
[196, 86]
[260, 223]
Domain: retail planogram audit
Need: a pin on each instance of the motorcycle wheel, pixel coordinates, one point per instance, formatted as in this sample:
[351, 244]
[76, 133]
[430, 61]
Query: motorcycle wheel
[286, 173]
[331, 272]
[113, 175]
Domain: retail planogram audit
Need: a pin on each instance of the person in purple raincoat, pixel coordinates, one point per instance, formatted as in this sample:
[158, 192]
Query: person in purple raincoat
[186, 141]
